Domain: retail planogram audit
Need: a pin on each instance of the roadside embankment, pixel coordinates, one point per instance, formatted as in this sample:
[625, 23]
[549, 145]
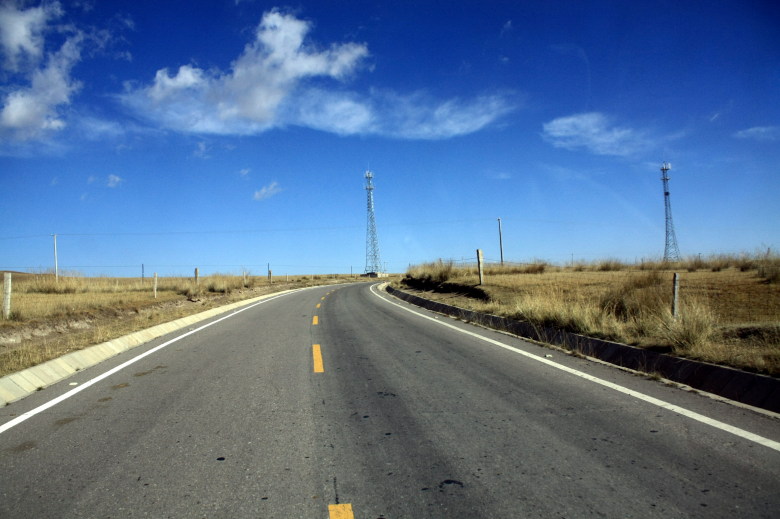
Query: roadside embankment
[748, 388]
[22, 383]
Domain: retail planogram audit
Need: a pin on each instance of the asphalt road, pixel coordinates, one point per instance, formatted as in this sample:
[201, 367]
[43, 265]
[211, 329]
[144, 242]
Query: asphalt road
[338, 402]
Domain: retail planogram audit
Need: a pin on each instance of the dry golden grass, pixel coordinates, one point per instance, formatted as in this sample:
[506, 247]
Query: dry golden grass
[52, 318]
[729, 306]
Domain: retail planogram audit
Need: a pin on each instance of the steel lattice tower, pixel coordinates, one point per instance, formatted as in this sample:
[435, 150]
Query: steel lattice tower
[373, 261]
[671, 252]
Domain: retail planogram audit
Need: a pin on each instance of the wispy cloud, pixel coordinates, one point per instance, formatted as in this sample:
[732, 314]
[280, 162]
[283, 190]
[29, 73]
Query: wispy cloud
[506, 28]
[419, 116]
[268, 87]
[202, 150]
[31, 108]
[760, 133]
[40, 84]
[593, 132]
[267, 191]
[500, 175]
[114, 181]
[244, 172]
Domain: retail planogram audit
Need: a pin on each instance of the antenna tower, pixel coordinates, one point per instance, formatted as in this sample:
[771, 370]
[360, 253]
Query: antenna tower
[373, 262]
[671, 252]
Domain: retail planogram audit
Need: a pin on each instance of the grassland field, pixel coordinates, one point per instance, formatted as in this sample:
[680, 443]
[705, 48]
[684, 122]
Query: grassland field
[728, 313]
[52, 317]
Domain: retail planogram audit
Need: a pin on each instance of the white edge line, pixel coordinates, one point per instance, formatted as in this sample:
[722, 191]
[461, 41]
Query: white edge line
[51, 403]
[747, 435]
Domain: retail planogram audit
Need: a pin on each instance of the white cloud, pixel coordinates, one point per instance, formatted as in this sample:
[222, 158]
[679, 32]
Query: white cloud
[593, 132]
[760, 133]
[247, 99]
[244, 172]
[271, 84]
[337, 112]
[114, 181]
[267, 191]
[21, 32]
[29, 111]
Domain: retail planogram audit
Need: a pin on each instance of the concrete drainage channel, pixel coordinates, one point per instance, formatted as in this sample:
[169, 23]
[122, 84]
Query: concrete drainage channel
[20, 384]
[748, 388]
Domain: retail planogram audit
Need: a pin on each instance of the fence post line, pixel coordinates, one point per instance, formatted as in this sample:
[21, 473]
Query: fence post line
[479, 265]
[675, 295]
[7, 295]
[155, 285]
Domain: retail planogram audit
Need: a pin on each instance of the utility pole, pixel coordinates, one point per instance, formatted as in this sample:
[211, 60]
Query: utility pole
[500, 242]
[56, 267]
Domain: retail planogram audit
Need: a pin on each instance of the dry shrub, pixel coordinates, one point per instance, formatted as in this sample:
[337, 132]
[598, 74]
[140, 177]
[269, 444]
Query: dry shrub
[435, 273]
[554, 309]
[537, 267]
[637, 298]
[769, 267]
[610, 265]
[770, 274]
[48, 284]
[690, 333]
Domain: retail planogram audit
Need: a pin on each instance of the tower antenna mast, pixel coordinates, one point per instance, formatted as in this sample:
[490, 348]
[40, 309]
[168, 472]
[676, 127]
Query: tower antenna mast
[373, 261]
[671, 252]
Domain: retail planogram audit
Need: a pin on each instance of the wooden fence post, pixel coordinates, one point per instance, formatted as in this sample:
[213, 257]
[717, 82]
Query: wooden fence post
[155, 285]
[7, 295]
[197, 276]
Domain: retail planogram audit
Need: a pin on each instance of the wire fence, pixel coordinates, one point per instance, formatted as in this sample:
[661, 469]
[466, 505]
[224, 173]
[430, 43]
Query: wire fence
[735, 294]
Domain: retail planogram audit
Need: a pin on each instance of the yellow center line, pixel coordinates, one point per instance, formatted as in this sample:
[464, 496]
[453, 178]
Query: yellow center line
[316, 353]
[340, 511]
[315, 320]
[318, 305]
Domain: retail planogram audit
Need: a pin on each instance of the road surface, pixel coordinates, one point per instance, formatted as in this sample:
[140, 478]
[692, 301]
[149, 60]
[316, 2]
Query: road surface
[341, 402]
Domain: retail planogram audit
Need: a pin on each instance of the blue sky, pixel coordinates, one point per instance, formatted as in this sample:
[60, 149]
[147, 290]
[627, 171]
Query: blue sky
[233, 134]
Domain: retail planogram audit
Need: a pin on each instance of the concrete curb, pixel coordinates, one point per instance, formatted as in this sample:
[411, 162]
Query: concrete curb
[748, 388]
[20, 384]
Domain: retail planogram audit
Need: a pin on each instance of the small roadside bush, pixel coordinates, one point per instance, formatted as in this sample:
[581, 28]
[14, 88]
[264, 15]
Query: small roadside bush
[436, 273]
[610, 265]
[691, 332]
[639, 297]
